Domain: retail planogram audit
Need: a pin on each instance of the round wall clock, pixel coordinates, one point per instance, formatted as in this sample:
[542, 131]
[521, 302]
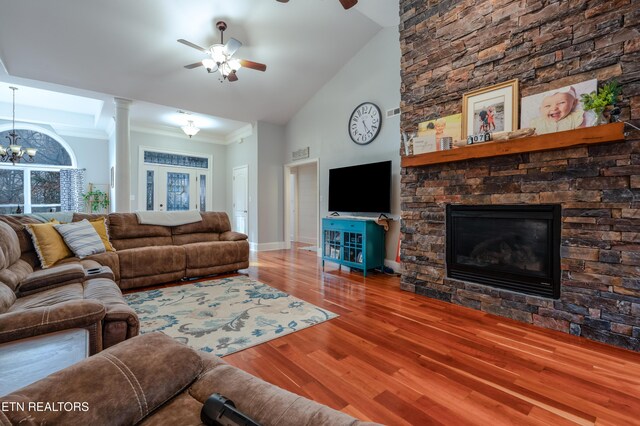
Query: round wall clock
[365, 123]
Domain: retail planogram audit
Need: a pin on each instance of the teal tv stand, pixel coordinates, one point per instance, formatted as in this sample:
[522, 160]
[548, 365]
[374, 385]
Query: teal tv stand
[356, 243]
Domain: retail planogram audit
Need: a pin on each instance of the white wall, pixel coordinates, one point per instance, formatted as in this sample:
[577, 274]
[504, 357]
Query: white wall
[372, 75]
[186, 146]
[244, 152]
[90, 154]
[307, 203]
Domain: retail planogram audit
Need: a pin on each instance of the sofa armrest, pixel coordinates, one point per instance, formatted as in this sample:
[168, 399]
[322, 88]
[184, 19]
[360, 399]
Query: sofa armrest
[121, 385]
[233, 236]
[56, 276]
[47, 319]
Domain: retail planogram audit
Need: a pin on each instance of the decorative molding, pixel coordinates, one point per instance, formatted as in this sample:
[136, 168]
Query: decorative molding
[78, 132]
[176, 133]
[241, 133]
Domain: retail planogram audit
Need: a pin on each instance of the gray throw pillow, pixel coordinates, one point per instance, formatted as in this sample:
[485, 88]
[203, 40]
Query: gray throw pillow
[81, 238]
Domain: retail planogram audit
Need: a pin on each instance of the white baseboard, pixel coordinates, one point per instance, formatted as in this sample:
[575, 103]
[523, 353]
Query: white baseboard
[393, 265]
[280, 245]
[306, 240]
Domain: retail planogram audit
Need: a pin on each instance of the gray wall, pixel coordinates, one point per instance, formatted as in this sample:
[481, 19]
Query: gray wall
[187, 146]
[372, 75]
[271, 145]
[307, 207]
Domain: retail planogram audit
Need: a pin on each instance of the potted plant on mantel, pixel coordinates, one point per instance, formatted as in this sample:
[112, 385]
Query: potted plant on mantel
[97, 200]
[603, 103]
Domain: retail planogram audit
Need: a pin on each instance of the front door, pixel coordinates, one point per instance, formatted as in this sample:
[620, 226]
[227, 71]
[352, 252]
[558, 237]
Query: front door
[170, 188]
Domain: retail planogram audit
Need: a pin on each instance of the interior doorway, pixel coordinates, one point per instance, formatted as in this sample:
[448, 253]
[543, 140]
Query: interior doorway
[302, 203]
[240, 199]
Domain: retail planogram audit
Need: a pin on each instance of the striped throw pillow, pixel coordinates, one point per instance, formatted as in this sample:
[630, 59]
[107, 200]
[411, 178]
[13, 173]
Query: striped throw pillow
[81, 237]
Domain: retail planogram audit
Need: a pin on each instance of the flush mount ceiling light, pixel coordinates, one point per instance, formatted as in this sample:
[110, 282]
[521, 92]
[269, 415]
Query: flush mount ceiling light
[190, 129]
[14, 151]
[220, 59]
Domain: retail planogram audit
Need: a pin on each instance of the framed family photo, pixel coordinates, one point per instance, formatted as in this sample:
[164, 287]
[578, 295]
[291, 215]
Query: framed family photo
[490, 109]
[559, 109]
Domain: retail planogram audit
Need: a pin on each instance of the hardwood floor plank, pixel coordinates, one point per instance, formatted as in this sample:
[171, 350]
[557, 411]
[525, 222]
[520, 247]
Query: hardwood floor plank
[398, 358]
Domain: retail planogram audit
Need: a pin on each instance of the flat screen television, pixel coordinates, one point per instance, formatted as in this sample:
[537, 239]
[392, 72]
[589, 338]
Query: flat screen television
[365, 188]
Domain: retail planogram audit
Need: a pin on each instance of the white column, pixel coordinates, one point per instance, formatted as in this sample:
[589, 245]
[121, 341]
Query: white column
[123, 157]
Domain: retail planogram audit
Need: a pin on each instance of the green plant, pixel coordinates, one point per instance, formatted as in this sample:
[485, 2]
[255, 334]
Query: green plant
[96, 199]
[601, 101]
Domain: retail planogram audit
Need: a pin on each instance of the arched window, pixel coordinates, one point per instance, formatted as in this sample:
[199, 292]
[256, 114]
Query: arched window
[34, 187]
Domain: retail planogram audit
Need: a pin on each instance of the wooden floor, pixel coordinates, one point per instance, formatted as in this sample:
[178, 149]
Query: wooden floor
[397, 358]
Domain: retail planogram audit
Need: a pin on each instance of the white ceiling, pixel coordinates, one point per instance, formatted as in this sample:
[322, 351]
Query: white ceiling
[99, 49]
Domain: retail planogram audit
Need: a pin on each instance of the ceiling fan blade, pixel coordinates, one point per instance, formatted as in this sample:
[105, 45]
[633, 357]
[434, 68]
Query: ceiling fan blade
[232, 76]
[253, 65]
[232, 46]
[194, 65]
[348, 4]
[283, 1]
[195, 46]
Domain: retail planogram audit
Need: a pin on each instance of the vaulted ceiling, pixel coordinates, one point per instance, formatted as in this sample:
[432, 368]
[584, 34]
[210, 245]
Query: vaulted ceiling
[100, 49]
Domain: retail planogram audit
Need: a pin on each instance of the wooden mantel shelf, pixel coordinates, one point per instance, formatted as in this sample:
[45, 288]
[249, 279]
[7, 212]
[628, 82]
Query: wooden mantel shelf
[586, 136]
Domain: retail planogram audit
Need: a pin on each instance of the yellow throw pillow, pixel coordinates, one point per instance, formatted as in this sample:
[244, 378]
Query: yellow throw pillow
[49, 244]
[100, 226]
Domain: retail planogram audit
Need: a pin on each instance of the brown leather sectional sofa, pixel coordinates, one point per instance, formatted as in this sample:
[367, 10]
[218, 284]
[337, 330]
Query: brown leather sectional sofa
[36, 301]
[150, 254]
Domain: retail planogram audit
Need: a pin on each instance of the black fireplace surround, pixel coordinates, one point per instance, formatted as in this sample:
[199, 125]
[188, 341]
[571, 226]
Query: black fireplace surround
[515, 247]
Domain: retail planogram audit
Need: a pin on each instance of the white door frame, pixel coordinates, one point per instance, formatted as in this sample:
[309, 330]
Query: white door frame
[244, 166]
[288, 195]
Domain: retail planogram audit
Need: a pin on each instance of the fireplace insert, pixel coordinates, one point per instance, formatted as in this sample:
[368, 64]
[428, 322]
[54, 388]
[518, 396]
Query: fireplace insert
[515, 247]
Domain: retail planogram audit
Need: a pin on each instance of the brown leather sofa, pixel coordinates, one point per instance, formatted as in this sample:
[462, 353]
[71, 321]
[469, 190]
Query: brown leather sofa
[36, 301]
[150, 254]
[154, 380]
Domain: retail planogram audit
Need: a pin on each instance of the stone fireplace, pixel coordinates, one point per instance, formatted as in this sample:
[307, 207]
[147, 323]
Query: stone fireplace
[515, 247]
[598, 191]
[456, 46]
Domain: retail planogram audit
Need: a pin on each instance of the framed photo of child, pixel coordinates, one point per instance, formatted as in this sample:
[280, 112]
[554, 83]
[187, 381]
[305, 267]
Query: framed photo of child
[490, 109]
[559, 109]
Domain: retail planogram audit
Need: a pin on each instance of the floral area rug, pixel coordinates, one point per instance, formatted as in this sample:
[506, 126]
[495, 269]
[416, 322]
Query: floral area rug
[224, 316]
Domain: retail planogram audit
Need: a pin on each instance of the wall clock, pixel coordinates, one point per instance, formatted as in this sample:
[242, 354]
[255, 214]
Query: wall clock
[365, 123]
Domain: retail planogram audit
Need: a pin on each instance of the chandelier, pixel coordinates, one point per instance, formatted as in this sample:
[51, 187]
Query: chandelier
[190, 129]
[14, 151]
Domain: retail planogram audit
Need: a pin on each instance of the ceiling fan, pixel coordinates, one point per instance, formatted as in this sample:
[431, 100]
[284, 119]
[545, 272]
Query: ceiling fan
[221, 57]
[347, 4]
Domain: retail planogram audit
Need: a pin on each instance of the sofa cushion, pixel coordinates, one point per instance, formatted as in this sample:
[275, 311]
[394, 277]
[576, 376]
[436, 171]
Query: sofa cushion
[51, 277]
[149, 261]
[202, 255]
[126, 226]
[49, 297]
[9, 246]
[17, 223]
[100, 226]
[48, 243]
[81, 237]
[14, 274]
[7, 298]
[216, 222]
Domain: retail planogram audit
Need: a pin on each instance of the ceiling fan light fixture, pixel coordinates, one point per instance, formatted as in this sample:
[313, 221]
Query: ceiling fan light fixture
[235, 65]
[218, 53]
[210, 65]
[190, 130]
